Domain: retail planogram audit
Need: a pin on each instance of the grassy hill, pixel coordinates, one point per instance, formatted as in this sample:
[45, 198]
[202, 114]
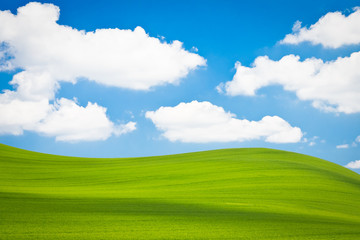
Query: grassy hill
[221, 194]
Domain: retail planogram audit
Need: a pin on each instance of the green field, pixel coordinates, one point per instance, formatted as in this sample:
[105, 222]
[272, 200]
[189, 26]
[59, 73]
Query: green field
[220, 194]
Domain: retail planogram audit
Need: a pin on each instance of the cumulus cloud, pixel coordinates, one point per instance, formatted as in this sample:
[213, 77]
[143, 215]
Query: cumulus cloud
[68, 121]
[114, 57]
[18, 115]
[353, 164]
[46, 53]
[342, 146]
[332, 86]
[203, 122]
[332, 30]
[64, 120]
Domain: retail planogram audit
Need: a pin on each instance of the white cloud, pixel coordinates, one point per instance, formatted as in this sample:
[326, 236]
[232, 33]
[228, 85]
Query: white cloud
[332, 30]
[18, 115]
[70, 122]
[114, 57]
[357, 139]
[297, 26]
[331, 86]
[203, 122]
[342, 146]
[353, 164]
[47, 54]
[65, 120]
[311, 141]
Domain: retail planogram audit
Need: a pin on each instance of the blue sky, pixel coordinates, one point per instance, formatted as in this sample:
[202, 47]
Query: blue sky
[215, 35]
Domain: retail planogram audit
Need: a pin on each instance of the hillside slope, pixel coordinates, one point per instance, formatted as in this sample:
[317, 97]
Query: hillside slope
[220, 194]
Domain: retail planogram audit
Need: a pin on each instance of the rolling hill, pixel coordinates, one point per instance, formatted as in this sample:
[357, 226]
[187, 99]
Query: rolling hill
[220, 194]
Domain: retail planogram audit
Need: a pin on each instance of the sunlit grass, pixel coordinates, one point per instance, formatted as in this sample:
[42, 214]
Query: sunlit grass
[222, 194]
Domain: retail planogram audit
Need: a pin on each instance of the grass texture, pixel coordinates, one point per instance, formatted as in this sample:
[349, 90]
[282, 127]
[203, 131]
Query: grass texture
[220, 194]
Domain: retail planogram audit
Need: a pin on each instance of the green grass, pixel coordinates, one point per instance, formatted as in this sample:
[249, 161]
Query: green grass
[221, 194]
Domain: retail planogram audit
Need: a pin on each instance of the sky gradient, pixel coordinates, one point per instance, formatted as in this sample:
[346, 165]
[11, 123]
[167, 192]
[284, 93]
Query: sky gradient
[166, 77]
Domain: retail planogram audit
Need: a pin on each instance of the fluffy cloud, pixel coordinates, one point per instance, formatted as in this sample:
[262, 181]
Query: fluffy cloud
[18, 115]
[114, 57]
[69, 122]
[332, 30]
[353, 164]
[331, 86]
[203, 122]
[47, 54]
[64, 120]
[342, 146]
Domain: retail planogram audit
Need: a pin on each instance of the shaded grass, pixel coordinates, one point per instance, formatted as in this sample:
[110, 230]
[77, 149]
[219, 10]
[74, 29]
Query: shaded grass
[222, 194]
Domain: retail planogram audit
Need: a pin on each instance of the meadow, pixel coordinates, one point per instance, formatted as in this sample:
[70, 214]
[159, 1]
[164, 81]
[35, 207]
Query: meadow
[220, 194]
